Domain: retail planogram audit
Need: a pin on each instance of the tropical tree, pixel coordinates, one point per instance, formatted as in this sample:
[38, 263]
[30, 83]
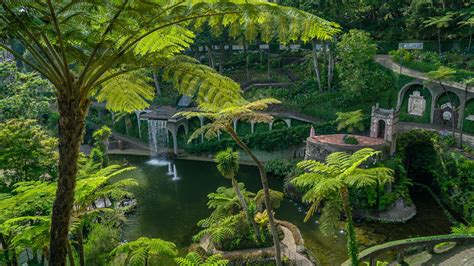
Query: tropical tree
[144, 250]
[99, 49]
[469, 22]
[330, 182]
[25, 212]
[101, 144]
[359, 75]
[439, 22]
[222, 118]
[228, 165]
[194, 259]
[23, 95]
[26, 152]
[350, 121]
[444, 73]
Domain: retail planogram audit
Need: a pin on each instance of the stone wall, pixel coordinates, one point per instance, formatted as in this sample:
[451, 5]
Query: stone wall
[319, 151]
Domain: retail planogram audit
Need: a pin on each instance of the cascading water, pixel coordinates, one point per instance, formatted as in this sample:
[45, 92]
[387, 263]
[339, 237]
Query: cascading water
[158, 140]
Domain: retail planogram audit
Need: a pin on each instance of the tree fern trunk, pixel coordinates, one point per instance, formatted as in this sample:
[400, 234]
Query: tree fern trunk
[266, 190]
[245, 208]
[71, 128]
[80, 246]
[157, 84]
[69, 254]
[316, 65]
[352, 248]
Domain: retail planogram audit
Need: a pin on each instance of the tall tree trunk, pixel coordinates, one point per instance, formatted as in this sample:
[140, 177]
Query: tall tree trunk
[211, 57]
[69, 254]
[221, 58]
[316, 65]
[80, 246]
[6, 251]
[245, 208]
[330, 68]
[351, 240]
[266, 190]
[157, 84]
[71, 127]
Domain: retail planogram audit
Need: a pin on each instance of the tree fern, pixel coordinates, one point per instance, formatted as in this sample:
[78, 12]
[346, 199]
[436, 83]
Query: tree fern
[140, 251]
[194, 259]
[328, 183]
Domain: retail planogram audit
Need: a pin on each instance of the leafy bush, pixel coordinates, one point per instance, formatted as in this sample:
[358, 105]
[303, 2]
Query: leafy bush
[280, 167]
[350, 140]
[265, 141]
[102, 239]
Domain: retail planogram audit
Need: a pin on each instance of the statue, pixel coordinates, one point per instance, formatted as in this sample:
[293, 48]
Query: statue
[416, 104]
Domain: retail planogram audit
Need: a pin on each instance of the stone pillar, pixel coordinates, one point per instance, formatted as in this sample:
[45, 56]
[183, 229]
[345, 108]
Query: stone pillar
[270, 126]
[137, 113]
[252, 127]
[175, 140]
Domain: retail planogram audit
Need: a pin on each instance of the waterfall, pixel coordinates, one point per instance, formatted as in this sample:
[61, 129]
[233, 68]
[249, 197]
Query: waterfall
[157, 136]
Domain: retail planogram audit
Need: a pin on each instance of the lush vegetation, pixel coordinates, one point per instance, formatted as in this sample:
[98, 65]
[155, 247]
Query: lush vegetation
[73, 73]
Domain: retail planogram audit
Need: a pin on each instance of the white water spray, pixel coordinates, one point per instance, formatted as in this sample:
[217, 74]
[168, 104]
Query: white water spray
[157, 136]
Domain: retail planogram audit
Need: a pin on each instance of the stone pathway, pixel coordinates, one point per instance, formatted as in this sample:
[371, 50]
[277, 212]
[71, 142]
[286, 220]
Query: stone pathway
[288, 249]
[387, 62]
[460, 256]
[457, 256]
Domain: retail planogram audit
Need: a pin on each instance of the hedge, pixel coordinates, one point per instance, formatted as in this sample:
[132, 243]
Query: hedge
[265, 141]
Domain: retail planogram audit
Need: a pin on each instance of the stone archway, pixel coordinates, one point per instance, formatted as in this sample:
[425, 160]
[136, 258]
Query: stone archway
[444, 113]
[280, 123]
[389, 118]
[415, 103]
[381, 129]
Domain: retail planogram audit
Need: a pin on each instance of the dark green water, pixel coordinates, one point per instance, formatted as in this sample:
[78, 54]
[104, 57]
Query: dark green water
[170, 209]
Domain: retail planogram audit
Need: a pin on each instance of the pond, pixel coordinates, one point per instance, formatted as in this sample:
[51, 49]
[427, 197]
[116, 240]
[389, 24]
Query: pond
[169, 209]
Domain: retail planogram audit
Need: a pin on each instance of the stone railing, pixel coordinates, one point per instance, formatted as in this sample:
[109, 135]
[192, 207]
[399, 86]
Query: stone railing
[428, 243]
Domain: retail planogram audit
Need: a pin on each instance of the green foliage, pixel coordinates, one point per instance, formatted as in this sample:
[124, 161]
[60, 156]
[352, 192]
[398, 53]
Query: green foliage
[275, 199]
[350, 140]
[26, 152]
[330, 182]
[405, 116]
[463, 229]
[227, 163]
[450, 172]
[359, 77]
[194, 259]
[280, 167]
[23, 95]
[25, 211]
[144, 250]
[266, 141]
[350, 121]
[101, 241]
